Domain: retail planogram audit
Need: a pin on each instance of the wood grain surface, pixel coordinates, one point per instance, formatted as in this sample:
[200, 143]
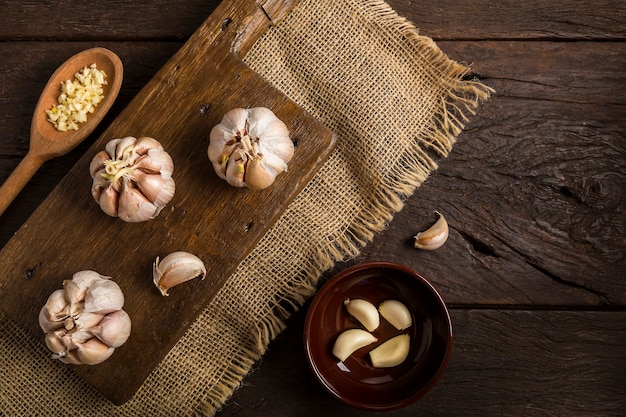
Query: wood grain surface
[219, 223]
[534, 191]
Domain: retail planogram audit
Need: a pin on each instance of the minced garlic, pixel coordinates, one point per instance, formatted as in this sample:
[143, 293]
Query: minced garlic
[78, 98]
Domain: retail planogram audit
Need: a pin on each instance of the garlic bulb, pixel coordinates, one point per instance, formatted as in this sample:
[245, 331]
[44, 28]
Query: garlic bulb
[176, 268]
[132, 178]
[434, 237]
[84, 322]
[250, 147]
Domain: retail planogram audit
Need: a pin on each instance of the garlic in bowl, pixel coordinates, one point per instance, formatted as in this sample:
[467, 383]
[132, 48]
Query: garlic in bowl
[397, 362]
[250, 147]
[132, 178]
[84, 322]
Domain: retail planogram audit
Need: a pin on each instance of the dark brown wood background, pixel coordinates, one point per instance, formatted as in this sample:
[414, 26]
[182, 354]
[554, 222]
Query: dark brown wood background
[534, 191]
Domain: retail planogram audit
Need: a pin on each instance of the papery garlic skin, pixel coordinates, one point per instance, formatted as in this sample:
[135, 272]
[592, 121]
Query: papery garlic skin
[176, 268]
[132, 178]
[84, 322]
[250, 147]
[434, 237]
[350, 341]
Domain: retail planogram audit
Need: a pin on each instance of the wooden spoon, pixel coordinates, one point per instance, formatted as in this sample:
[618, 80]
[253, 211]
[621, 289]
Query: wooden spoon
[46, 142]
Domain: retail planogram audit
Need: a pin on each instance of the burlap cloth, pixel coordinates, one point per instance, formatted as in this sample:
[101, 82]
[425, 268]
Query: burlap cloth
[393, 98]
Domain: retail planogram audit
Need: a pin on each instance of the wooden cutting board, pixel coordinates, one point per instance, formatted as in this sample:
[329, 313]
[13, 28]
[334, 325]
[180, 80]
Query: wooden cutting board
[221, 224]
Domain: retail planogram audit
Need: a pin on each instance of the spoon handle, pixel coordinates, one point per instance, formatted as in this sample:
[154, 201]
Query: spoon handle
[18, 179]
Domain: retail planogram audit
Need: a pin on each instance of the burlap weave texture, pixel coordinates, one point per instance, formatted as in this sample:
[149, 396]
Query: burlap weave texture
[392, 98]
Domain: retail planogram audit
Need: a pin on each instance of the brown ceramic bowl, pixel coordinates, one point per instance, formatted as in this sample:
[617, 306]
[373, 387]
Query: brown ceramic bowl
[355, 381]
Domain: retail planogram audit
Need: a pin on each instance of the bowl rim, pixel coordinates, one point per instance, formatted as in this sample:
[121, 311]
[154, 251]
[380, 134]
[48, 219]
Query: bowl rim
[417, 394]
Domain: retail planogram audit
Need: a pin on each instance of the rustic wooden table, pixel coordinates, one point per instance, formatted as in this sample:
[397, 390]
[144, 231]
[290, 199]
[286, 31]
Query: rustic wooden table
[535, 192]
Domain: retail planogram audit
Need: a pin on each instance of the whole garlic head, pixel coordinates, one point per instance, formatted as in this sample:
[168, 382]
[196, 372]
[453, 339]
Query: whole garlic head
[250, 147]
[132, 178]
[84, 322]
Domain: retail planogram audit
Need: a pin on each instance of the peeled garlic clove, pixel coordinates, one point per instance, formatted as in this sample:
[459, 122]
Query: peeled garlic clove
[176, 268]
[350, 341]
[114, 329]
[103, 296]
[391, 353]
[433, 237]
[93, 352]
[364, 312]
[396, 313]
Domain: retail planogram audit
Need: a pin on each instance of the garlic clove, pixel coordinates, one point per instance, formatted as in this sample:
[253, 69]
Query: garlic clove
[114, 329]
[103, 297]
[87, 277]
[235, 170]
[78, 338]
[111, 147]
[97, 163]
[93, 351]
[364, 311]
[433, 237]
[396, 313]
[257, 177]
[392, 352]
[46, 324]
[350, 341]
[157, 161]
[145, 144]
[134, 206]
[76, 288]
[54, 342]
[176, 268]
[109, 201]
[57, 306]
[86, 320]
[274, 164]
[122, 147]
[275, 145]
[155, 188]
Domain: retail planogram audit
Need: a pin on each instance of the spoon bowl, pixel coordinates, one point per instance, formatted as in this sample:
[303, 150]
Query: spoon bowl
[46, 142]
